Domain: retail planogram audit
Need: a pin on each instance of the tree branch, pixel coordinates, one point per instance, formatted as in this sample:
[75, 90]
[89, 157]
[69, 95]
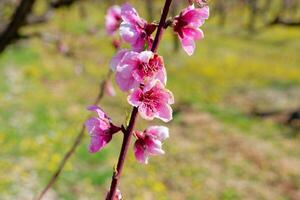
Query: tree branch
[128, 132]
[18, 20]
[74, 146]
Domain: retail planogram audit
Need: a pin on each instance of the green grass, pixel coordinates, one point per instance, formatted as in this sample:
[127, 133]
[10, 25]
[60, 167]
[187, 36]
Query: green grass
[216, 151]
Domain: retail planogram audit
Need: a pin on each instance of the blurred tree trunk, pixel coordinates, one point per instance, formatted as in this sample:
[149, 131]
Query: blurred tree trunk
[253, 7]
[220, 9]
[287, 14]
[61, 3]
[265, 10]
[18, 19]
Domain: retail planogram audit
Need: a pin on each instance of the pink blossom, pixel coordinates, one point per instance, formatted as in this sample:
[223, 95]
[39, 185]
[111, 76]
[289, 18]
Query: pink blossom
[123, 63]
[133, 69]
[109, 89]
[135, 30]
[148, 67]
[113, 19]
[187, 24]
[116, 60]
[149, 142]
[100, 129]
[153, 101]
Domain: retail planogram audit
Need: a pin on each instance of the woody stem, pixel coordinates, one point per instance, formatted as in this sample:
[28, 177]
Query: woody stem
[129, 130]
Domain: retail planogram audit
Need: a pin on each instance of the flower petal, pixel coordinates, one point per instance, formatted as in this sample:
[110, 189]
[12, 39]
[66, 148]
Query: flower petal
[129, 14]
[115, 61]
[160, 132]
[188, 44]
[98, 141]
[98, 110]
[140, 152]
[193, 33]
[129, 33]
[165, 113]
[154, 146]
[125, 83]
[146, 112]
[134, 98]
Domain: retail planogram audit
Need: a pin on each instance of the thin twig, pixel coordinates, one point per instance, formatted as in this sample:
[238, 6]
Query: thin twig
[128, 132]
[77, 141]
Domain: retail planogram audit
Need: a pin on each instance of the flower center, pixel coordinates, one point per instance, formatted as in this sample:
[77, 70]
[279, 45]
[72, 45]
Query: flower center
[150, 99]
[150, 68]
[179, 24]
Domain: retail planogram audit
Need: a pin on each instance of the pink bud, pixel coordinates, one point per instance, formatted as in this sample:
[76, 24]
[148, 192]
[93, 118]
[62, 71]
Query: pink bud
[113, 19]
[116, 43]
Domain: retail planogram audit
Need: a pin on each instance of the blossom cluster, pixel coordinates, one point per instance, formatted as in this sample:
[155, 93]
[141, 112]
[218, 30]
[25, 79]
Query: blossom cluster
[142, 74]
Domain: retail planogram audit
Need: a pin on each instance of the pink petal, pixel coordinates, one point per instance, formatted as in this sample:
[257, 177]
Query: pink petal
[153, 85]
[98, 142]
[115, 61]
[160, 132]
[139, 44]
[129, 33]
[193, 33]
[128, 63]
[129, 14]
[196, 17]
[165, 112]
[92, 125]
[188, 44]
[140, 153]
[154, 146]
[98, 110]
[96, 125]
[170, 96]
[145, 56]
[162, 76]
[146, 112]
[112, 19]
[134, 98]
[114, 10]
[109, 89]
[126, 83]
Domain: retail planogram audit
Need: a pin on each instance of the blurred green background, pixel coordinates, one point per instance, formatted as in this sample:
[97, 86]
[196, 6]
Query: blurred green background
[229, 138]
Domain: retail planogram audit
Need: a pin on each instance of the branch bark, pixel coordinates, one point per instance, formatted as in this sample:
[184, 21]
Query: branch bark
[18, 20]
[284, 22]
[128, 131]
[61, 3]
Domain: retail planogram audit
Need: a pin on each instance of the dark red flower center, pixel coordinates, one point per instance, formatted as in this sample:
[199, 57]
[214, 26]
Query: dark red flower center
[179, 24]
[153, 66]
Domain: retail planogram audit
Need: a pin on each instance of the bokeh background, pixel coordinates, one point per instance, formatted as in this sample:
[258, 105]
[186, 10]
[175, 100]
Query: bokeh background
[235, 133]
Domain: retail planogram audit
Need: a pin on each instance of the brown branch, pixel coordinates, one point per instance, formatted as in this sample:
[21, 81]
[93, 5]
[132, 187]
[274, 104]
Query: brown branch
[74, 146]
[289, 118]
[61, 3]
[128, 132]
[284, 22]
[17, 21]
